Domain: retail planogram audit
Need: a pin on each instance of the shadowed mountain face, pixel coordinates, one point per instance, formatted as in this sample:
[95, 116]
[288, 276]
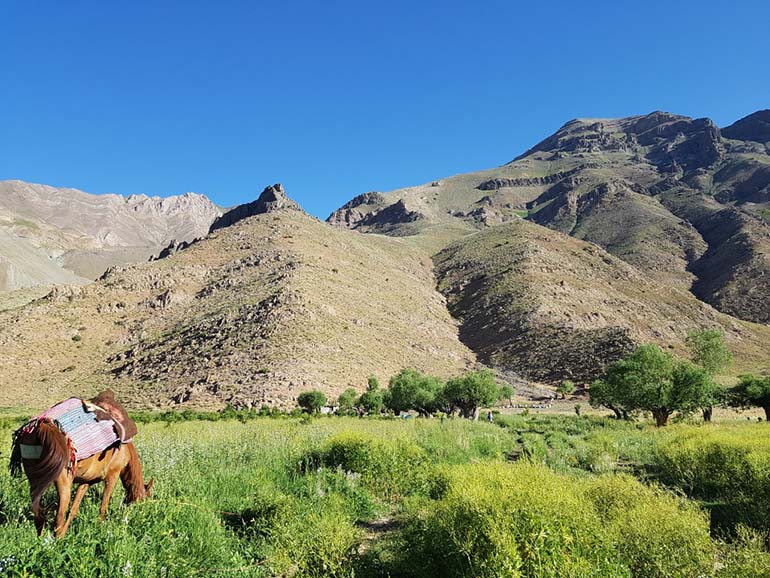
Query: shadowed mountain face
[55, 236]
[680, 200]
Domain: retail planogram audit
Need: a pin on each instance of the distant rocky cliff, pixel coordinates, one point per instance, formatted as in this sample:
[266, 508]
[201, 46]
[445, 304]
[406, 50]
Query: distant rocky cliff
[52, 235]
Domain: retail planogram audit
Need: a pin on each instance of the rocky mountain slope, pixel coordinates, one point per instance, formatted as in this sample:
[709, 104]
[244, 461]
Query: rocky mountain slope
[684, 202]
[64, 236]
[607, 234]
[272, 304]
[537, 302]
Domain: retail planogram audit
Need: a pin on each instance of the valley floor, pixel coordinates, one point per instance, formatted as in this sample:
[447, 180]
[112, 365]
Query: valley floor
[537, 495]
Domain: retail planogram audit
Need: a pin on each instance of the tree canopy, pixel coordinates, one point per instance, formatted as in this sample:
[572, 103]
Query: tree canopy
[311, 401]
[709, 350]
[752, 391]
[566, 388]
[471, 390]
[410, 389]
[347, 401]
[650, 379]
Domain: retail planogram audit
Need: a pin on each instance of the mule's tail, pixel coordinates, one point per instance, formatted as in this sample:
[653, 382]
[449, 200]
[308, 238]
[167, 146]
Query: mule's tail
[43, 452]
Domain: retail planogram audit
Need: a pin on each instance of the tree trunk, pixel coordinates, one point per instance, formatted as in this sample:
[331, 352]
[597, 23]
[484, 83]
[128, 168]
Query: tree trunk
[767, 412]
[661, 417]
[707, 413]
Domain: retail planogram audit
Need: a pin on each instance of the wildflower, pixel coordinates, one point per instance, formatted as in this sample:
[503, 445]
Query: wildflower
[6, 563]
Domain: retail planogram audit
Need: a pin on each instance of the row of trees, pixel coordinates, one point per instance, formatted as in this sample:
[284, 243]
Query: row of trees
[650, 379]
[411, 390]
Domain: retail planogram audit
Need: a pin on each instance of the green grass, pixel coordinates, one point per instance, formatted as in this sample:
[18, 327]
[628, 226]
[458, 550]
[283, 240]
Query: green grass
[528, 496]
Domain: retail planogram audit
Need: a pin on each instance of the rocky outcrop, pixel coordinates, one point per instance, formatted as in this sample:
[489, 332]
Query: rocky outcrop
[672, 142]
[755, 127]
[686, 145]
[367, 214]
[356, 210]
[272, 199]
[502, 182]
[395, 214]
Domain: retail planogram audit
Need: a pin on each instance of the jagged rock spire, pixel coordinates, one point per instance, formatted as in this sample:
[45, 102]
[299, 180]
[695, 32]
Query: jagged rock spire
[272, 199]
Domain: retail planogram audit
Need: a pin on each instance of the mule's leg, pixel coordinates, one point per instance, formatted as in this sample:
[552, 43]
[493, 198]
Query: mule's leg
[79, 493]
[37, 510]
[109, 485]
[64, 489]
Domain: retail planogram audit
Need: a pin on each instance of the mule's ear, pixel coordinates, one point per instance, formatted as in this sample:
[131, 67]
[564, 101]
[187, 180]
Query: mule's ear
[148, 487]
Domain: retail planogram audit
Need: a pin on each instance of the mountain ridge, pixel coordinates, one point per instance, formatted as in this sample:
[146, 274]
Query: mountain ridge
[54, 235]
[605, 235]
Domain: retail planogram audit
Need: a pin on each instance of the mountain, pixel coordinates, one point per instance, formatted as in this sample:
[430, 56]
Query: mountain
[259, 310]
[608, 234]
[536, 302]
[64, 236]
[670, 195]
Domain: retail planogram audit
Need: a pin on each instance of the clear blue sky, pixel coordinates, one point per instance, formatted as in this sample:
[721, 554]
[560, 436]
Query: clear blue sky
[336, 98]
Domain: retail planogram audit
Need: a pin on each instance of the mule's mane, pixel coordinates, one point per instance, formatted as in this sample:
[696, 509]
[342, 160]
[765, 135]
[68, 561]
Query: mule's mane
[131, 476]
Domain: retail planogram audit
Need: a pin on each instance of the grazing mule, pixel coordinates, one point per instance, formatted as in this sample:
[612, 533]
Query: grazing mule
[54, 465]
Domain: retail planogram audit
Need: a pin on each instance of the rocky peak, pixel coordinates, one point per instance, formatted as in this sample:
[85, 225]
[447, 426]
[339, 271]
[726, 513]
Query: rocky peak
[755, 127]
[272, 199]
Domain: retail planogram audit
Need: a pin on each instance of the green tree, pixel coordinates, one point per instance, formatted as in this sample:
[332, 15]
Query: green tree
[752, 391]
[650, 379]
[708, 349]
[373, 399]
[604, 393]
[347, 401]
[411, 389]
[311, 401]
[566, 388]
[470, 391]
[507, 392]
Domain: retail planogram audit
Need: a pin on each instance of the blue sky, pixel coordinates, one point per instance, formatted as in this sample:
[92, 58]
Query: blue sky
[336, 98]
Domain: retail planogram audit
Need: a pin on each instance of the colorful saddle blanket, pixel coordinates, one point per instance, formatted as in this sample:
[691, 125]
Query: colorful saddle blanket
[86, 436]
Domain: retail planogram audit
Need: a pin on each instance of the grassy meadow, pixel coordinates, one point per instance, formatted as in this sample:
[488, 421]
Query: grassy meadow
[535, 496]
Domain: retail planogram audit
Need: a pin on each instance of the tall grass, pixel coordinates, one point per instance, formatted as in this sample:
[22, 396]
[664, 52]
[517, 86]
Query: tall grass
[298, 497]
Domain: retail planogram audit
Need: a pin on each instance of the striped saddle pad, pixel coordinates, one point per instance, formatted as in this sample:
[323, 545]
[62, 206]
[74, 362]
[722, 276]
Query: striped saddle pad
[86, 435]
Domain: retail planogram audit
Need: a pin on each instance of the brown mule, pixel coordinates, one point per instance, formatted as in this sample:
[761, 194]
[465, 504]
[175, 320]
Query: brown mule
[119, 461]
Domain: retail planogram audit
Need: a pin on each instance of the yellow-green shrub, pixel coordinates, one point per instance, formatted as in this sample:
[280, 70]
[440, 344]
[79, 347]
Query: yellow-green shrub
[524, 520]
[728, 467]
[313, 541]
[656, 533]
[389, 467]
[498, 520]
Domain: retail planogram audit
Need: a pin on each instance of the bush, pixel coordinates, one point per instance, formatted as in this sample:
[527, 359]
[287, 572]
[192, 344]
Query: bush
[747, 556]
[729, 469]
[524, 520]
[497, 520]
[313, 540]
[388, 467]
[656, 534]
